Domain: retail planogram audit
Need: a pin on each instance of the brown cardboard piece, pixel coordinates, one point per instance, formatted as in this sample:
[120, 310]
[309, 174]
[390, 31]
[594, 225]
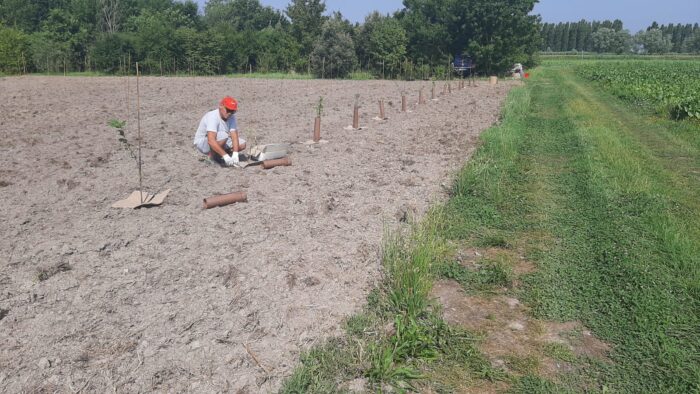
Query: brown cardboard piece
[134, 200]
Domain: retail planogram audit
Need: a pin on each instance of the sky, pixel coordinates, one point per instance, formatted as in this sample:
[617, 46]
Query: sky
[635, 15]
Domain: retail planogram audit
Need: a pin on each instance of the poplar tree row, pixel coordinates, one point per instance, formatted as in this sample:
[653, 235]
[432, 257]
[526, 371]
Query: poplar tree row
[610, 37]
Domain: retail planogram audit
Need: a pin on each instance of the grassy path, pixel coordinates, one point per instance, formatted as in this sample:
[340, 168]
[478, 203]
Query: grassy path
[602, 200]
[605, 201]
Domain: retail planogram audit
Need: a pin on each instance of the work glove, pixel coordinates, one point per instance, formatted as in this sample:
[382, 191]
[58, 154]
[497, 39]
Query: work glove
[231, 160]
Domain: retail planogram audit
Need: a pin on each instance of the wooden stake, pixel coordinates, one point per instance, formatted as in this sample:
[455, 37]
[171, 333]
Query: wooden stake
[138, 125]
[356, 117]
[317, 129]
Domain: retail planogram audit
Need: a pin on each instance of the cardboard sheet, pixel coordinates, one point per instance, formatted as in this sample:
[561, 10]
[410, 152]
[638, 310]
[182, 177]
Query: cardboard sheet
[134, 200]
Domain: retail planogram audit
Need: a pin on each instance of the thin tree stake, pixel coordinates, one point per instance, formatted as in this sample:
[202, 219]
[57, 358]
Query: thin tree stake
[138, 125]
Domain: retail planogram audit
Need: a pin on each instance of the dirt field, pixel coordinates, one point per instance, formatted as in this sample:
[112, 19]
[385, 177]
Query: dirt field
[181, 299]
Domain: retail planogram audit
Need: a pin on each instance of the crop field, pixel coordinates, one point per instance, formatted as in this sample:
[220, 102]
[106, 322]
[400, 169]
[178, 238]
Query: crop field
[671, 87]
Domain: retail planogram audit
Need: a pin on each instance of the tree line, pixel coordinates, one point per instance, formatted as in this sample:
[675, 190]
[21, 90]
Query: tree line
[233, 36]
[610, 37]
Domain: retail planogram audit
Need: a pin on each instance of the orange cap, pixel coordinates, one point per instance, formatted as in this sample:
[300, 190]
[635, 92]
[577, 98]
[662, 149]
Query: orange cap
[229, 103]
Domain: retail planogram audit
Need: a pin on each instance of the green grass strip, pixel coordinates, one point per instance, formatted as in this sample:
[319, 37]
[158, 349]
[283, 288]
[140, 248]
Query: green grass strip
[592, 192]
[603, 199]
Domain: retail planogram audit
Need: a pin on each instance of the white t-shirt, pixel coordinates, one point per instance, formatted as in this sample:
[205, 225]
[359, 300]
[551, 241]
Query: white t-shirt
[212, 122]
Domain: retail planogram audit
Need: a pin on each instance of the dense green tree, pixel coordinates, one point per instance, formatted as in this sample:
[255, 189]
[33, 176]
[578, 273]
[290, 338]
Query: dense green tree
[47, 54]
[382, 41]
[617, 25]
[496, 33]
[200, 50]
[154, 40]
[111, 14]
[692, 42]
[556, 37]
[307, 21]
[276, 50]
[241, 15]
[25, 15]
[427, 30]
[14, 49]
[585, 36]
[189, 9]
[109, 51]
[611, 41]
[504, 33]
[562, 37]
[653, 41]
[334, 51]
[63, 27]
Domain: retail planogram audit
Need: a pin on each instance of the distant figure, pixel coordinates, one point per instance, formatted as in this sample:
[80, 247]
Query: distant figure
[217, 135]
[518, 69]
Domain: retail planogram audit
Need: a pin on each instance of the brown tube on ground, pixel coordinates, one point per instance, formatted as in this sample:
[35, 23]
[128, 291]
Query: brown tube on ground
[285, 161]
[449, 88]
[403, 103]
[356, 118]
[421, 99]
[432, 93]
[382, 114]
[317, 129]
[225, 199]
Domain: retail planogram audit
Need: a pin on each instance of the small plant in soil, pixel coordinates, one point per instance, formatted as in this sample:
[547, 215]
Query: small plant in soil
[120, 126]
[46, 272]
[319, 107]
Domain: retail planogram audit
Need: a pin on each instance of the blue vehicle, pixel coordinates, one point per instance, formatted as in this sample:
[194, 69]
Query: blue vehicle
[463, 65]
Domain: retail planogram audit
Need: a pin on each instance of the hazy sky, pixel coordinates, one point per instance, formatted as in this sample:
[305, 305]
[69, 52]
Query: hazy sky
[635, 14]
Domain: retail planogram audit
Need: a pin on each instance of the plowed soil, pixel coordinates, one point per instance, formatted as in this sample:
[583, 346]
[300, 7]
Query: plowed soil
[181, 299]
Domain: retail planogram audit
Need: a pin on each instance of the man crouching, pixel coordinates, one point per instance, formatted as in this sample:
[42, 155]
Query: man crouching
[217, 134]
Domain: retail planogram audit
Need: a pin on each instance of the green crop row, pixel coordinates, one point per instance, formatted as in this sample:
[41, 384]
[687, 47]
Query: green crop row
[671, 87]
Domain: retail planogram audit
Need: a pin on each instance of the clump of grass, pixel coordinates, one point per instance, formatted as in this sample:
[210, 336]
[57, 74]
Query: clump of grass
[360, 76]
[487, 276]
[531, 383]
[559, 351]
[526, 364]
[46, 272]
[493, 241]
[324, 368]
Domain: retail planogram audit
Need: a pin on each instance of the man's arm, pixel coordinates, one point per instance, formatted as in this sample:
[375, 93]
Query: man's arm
[234, 140]
[214, 145]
